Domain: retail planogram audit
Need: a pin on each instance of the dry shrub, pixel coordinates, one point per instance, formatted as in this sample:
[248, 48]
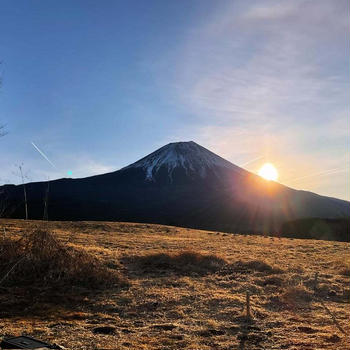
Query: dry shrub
[296, 297]
[342, 267]
[271, 281]
[255, 265]
[186, 262]
[295, 279]
[325, 290]
[39, 258]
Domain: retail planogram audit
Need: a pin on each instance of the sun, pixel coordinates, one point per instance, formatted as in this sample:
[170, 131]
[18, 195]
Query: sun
[268, 172]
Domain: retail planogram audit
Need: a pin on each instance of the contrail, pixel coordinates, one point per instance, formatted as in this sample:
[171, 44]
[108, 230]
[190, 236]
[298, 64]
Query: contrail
[42, 153]
[251, 161]
[322, 173]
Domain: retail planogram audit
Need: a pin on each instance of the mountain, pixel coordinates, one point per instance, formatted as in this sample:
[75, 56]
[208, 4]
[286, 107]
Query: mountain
[189, 157]
[181, 184]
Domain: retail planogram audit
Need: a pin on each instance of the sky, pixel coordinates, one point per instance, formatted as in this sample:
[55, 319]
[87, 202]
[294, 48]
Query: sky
[96, 85]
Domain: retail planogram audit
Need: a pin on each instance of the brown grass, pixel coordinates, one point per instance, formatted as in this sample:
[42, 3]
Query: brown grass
[187, 290]
[256, 265]
[297, 297]
[184, 263]
[271, 281]
[38, 258]
[342, 267]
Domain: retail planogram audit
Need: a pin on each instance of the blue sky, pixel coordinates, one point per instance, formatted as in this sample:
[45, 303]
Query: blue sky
[96, 85]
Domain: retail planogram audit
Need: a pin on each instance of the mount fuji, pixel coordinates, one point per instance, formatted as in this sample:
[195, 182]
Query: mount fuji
[181, 184]
[183, 156]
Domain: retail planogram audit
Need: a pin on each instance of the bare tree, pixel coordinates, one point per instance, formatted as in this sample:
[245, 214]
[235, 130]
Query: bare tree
[2, 127]
[23, 176]
[3, 132]
[24, 191]
[3, 203]
[46, 201]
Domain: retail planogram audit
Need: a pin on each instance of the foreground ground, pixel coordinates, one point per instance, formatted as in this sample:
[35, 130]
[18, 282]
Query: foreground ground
[167, 303]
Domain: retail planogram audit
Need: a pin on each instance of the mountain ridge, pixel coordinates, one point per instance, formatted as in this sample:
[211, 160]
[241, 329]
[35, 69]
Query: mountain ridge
[181, 184]
[189, 155]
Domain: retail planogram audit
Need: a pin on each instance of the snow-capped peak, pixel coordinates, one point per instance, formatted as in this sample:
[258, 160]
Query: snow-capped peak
[188, 155]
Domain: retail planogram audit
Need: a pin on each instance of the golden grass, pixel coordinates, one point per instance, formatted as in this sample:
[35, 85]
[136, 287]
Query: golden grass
[184, 263]
[342, 267]
[256, 265]
[187, 289]
[297, 297]
[39, 258]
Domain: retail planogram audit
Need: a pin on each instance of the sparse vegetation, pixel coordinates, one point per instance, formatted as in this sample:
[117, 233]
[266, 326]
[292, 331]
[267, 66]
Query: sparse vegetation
[296, 297]
[256, 265]
[184, 263]
[186, 288]
[342, 267]
[271, 281]
[39, 258]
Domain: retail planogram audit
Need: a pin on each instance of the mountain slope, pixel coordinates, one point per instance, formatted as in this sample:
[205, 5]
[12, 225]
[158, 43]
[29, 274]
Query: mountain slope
[180, 184]
[192, 158]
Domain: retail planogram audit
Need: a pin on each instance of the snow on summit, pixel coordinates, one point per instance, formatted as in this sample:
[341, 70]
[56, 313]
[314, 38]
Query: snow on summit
[187, 155]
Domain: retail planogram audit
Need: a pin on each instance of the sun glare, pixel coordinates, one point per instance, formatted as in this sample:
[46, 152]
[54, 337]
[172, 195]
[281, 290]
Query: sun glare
[268, 172]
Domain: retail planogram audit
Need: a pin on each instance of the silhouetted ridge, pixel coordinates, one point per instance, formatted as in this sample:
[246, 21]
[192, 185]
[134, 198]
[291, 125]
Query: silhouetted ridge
[182, 184]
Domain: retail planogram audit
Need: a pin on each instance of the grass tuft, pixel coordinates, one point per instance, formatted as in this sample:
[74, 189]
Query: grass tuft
[184, 263]
[256, 265]
[296, 297]
[38, 258]
[341, 267]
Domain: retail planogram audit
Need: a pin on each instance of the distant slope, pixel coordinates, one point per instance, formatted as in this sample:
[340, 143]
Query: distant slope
[317, 228]
[180, 184]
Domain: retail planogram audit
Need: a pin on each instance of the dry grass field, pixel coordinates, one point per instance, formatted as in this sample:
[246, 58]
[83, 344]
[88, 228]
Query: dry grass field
[142, 286]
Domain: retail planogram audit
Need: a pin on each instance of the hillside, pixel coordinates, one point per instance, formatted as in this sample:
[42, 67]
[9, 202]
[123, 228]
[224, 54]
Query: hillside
[186, 289]
[181, 184]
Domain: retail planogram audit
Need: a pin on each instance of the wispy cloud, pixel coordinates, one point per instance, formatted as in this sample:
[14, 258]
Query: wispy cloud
[271, 79]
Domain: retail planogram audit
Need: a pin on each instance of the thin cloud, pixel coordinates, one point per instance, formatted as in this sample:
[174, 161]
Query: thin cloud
[319, 174]
[251, 161]
[267, 79]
